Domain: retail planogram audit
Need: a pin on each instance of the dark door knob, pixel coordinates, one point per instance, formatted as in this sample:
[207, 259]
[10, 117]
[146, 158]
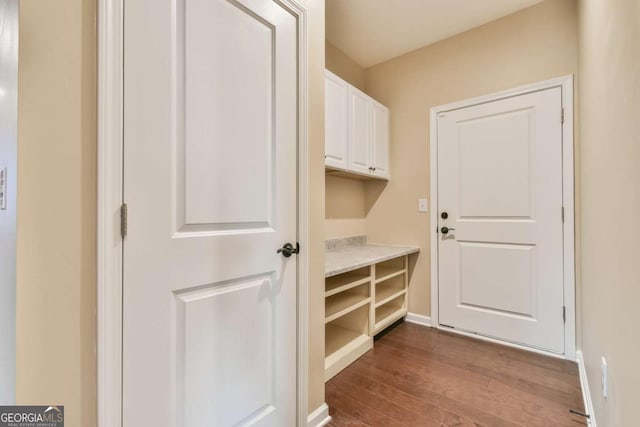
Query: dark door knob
[444, 215]
[446, 230]
[287, 250]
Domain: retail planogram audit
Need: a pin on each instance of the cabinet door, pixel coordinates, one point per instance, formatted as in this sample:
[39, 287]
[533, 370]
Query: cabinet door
[379, 140]
[359, 131]
[336, 121]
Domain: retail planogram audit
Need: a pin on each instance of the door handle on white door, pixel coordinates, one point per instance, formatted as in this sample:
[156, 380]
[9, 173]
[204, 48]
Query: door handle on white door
[446, 230]
[287, 250]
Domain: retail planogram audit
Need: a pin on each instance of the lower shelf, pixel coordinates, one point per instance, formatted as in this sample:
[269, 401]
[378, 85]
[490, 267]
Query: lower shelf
[343, 347]
[387, 314]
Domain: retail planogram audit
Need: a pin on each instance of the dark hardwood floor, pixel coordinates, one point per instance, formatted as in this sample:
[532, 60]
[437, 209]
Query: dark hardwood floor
[418, 376]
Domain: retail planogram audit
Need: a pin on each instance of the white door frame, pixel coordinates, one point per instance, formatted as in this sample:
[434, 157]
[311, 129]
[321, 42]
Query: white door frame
[110, 170]
[566, 85]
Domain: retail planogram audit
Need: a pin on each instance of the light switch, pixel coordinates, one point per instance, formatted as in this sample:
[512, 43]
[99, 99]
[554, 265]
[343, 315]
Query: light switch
[422, 205]
[3, 188]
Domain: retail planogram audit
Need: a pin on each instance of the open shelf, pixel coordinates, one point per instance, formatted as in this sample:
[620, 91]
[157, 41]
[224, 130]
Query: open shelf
[389, 312]
[386, 273]
[358, 305]
[389, 289]
[342, 347]
[345, 302]
[391, 268]
[339, 339]
[387, 294]
[346, 281]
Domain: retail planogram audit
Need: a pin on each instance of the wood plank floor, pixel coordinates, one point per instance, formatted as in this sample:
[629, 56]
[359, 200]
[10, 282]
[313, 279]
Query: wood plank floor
[418, 376]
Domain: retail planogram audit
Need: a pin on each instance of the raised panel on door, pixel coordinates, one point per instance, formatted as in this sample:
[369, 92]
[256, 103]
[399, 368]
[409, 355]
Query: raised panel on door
[336, 121]
[359, 131]
[380, 140]
[210, 149]
[500, 182]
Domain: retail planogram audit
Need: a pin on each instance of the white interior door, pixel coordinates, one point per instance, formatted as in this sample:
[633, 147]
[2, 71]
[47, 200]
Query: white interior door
[500, 185]
[209, 327]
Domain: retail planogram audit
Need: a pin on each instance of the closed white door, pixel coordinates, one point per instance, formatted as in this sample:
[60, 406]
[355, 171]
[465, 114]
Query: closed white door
[379, 140]
[359, 131]
[209, 322]
[500, 189]
[336, 121]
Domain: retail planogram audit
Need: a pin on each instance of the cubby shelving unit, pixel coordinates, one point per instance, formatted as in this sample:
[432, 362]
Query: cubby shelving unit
[389, 292]
[358, 305]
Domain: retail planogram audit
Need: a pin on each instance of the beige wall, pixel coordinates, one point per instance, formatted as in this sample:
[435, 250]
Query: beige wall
[345, 207]
[342, 66]
[56, 284]
[345, 211]
[531, 45]
[316, 202]
[610, 151]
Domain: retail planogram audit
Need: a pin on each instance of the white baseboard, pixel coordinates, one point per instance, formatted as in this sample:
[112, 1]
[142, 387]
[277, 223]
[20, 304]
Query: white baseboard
[586, 393]
[418, 319]
[320, 417]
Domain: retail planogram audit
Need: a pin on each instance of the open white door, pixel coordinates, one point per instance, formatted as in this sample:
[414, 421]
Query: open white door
[210, 180]
[500, 241]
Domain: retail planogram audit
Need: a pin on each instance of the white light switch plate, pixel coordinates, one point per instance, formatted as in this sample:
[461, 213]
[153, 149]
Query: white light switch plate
[3, 188]
[422, 205]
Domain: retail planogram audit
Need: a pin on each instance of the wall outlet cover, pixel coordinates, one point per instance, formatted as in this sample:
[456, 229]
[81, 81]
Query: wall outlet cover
[422, 205]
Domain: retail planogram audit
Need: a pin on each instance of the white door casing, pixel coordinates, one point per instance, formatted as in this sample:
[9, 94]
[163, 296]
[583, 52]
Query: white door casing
[200, 298]
[506, 270]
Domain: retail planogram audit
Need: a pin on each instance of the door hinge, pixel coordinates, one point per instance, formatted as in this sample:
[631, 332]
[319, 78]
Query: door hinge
[123, 219]
[564, 314]
[562, 214]
[562, 115]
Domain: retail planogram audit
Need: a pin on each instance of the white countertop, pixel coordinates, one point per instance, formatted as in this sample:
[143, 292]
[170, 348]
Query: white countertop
[342, 258]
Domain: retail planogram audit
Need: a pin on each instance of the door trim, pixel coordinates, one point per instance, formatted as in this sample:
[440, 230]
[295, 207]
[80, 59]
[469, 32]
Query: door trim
[110, 182]
[566, 85]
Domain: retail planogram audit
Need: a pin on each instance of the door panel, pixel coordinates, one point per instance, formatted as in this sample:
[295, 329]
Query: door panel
[225, 89]
[212, 356]
[380, 140]
[359, 131]
[500, 182]
[336, 121]
[210, 179]
[491, 149]
[486, 268]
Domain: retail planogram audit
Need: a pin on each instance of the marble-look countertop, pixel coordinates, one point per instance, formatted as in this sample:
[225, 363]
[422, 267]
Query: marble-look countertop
[348, 254]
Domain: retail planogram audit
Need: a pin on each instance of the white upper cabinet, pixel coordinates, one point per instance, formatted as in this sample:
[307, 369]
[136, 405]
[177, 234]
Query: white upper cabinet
[359, 131]
[380, 140]
[336, 121]
[356, 130]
